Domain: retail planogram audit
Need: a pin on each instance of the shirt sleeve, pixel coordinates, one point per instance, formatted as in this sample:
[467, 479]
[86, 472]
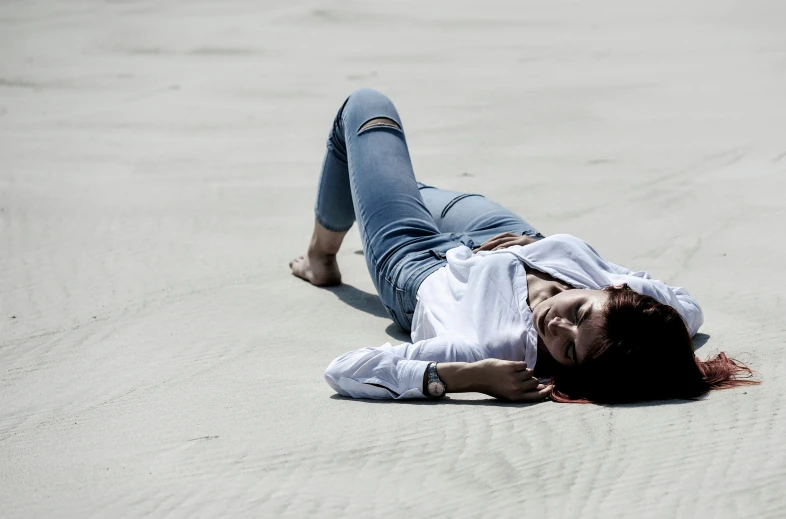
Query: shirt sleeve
[676, 297]
[395, 372]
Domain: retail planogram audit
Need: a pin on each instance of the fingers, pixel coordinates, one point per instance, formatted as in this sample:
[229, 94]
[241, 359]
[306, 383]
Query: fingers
[486, 246]
[512, 381]
[519, 365]
[504, 235]
[541, 392]
[523, 388]
[497, 240]
[495, 243]
[507, 243]
[530, 391]
[527, 374]
[530, 384]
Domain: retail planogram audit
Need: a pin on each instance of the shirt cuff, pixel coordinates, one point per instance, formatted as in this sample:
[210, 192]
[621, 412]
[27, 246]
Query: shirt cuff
[411, 377]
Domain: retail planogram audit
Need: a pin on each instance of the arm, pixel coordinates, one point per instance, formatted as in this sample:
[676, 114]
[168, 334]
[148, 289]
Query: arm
[400, 372]
[503, 379]
[395, 371]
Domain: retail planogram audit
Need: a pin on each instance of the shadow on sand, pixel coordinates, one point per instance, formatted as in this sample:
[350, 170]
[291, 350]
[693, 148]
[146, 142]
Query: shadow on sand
[492, 402]
[369, 303]
[699, 340]
[448, 400]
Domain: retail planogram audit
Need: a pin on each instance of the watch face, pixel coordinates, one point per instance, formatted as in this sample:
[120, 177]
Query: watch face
[436, 389]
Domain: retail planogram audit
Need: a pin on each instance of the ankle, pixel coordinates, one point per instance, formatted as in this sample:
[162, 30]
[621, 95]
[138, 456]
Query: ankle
[325, 242]
[315, 253]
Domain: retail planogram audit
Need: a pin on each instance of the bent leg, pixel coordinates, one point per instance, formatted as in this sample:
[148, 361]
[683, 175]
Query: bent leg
[367, 173]
[396, 228]
[367, 176]
[472, 214]
[368, 136]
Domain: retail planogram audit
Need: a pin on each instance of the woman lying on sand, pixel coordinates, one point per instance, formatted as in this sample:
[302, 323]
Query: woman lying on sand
[493, 306]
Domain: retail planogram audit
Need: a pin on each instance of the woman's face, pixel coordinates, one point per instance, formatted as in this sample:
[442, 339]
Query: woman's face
[568, 323]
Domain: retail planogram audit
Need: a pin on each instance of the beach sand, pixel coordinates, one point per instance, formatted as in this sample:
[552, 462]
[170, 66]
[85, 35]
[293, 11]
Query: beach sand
[159, 166]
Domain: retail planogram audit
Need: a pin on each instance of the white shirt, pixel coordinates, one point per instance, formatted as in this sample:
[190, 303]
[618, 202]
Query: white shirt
[475, 307]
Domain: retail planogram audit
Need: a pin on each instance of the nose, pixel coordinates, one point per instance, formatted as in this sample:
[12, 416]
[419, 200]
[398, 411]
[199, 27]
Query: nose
[560, 327]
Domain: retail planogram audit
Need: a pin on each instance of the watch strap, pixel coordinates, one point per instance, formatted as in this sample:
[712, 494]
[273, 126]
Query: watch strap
[433, 376]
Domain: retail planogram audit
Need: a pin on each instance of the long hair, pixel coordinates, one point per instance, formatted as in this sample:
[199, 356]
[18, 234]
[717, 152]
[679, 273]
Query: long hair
[644, 352]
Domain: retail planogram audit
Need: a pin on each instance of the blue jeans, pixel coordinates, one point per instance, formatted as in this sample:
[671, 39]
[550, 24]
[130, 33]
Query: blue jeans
[405, 227]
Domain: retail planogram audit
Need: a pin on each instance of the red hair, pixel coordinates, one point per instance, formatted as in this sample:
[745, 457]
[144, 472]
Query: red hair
[644, 352]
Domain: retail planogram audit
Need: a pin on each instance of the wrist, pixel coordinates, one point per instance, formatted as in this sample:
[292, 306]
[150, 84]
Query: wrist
[459, 377]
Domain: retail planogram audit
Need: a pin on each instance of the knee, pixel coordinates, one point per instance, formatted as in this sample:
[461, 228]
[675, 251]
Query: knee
[367, 108]
[368, 95]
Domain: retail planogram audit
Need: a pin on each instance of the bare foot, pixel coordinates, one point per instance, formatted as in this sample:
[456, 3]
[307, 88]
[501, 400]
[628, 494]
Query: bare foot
[319, 266]
[318, 269]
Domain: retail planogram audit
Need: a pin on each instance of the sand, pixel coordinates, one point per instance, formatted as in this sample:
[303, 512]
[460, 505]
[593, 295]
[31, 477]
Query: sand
[159, 165]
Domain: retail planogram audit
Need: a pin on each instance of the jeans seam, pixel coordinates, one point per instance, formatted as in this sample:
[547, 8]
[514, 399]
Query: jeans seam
[455, 201]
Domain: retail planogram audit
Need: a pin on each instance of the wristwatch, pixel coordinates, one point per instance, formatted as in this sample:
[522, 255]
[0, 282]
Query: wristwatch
[436, 388]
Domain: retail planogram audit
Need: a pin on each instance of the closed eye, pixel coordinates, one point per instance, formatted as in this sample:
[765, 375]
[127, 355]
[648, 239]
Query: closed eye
[570, 347]
[570, 351]
[580, 316]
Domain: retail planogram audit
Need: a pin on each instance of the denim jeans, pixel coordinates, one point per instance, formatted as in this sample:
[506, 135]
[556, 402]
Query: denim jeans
[406, 227]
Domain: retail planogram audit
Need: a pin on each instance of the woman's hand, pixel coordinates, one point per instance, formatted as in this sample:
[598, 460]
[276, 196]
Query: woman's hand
[504, 379]
[508, 380]
[505, 240]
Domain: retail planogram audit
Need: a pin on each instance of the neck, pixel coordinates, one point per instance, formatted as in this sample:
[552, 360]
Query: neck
[541, 286]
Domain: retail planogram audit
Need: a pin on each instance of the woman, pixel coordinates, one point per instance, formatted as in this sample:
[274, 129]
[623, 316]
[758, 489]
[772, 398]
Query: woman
[498, 318]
